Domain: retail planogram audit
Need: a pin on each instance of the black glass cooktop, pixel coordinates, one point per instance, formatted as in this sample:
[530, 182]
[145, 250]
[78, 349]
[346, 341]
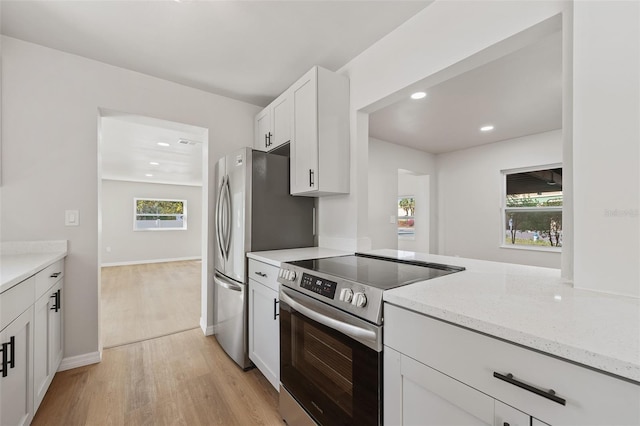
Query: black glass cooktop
[377, 271]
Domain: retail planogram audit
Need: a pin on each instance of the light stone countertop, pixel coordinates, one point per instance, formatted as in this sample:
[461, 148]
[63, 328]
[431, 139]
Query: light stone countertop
[276, 257]
[20, 260]
[532, 307]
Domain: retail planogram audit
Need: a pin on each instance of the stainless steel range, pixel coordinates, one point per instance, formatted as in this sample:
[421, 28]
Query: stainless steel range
[331, 335]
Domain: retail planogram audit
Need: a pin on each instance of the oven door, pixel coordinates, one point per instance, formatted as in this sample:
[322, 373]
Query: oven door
[330, 361]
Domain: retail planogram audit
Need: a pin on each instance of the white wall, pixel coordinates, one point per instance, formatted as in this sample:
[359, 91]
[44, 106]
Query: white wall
[441, 35]
[606, 149]
[470, 193]
[128, 246]
[50, 104]
[384, 161]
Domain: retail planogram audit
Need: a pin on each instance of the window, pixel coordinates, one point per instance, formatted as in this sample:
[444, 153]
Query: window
[533, 208]
[406, 210]
[157, 214]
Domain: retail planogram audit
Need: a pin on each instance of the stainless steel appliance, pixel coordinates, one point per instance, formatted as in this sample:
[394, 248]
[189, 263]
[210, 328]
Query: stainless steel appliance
[254, 212]
[331, 335]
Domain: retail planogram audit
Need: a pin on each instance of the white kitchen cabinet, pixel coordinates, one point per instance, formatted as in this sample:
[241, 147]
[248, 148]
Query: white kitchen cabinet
[273, 124]
[320, 141]
[264, 322]
[526, 386]
[16, 379]
[47, 340]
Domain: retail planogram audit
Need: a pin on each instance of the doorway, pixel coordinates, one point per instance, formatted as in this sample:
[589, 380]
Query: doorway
[152, 219]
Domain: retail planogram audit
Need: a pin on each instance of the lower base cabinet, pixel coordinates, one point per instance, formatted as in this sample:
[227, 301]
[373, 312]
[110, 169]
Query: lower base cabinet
[264, 331]
[16, 379]
[436, 373]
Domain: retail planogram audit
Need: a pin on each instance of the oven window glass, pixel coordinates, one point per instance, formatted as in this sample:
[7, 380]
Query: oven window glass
[335, 378]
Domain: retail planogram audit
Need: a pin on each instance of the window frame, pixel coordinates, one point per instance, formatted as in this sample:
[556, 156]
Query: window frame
[504, 209]
[136, 214]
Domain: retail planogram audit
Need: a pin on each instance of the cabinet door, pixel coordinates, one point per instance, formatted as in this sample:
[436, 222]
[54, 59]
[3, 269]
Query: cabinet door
[264, 331]
[304, 147]
[415, 394]
[506, 415]
[47, 329]
[281, 119]
[262, 129]
[16, 388]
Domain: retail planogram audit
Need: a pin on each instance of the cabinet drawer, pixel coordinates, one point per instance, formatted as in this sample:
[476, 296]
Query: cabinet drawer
[16, 300]
[50, 275]
[264, 274]
[591, 398]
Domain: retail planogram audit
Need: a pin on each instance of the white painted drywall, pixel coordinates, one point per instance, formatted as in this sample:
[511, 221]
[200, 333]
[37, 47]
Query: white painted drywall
[50, 109]
[122, 245]
[385, 159]
[442, 34]
[470, 193]
[606, 149]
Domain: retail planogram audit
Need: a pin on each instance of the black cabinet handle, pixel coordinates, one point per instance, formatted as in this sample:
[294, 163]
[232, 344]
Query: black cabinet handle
[311, 180]
[275, 309]
[261, 274]
[8, 355]
[550, 394]
[266, 140]
[269, 139]
[56, 274]
[56, 301]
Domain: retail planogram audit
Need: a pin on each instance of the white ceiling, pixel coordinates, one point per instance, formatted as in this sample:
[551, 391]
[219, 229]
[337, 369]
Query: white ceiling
[520, 94]
[129, 144]
[246, 50]
[253, 50]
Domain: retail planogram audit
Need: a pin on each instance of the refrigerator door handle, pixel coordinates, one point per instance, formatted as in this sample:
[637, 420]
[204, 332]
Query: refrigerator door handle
[224, 282]
[219, 229]
[229, 219]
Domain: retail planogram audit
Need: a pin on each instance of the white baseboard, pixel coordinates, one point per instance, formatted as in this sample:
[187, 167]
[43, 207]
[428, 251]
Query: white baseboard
[142, 262]
[207, 330]
[80, 361]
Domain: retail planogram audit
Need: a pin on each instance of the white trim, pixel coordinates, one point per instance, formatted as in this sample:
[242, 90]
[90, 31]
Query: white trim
[207, 330]
[142, 262]
[548, 249]
[80, 360]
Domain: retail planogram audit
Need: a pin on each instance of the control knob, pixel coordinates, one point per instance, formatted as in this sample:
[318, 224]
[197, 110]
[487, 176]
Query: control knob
[359, 300]
[292, 275]
[346, 294]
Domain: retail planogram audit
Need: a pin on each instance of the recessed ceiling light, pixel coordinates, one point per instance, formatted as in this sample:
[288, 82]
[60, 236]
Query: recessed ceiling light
[418, 95]
[486, 128]
[149, 175]
[153, 163]
[163, 144]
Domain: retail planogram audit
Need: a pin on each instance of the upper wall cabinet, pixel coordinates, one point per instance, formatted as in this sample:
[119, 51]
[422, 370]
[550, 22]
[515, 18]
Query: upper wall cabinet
[273, 124]
[320, 137]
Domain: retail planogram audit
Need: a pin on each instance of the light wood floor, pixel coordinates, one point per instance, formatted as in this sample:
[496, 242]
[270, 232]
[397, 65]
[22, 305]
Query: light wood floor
[180, 379]
[139, 302]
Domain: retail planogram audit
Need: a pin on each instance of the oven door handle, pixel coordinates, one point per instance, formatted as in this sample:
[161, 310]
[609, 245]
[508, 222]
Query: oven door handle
[350, 330]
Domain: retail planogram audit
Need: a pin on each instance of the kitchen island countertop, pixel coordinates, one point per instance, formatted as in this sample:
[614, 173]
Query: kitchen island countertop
[532, 307]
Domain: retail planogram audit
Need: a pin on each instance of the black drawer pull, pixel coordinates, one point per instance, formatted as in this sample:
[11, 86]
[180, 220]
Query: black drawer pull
[261, 274]
[8, 359]
[56, 274]
[550, 394]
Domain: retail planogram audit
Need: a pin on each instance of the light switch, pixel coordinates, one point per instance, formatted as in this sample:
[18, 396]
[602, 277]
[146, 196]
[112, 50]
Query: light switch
[392, 219]
[71, 218]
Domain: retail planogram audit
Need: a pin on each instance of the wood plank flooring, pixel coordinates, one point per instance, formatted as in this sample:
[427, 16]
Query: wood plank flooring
[179, 379]
[139, 302]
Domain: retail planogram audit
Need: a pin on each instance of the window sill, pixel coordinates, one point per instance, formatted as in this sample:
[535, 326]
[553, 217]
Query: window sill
[532, 248]
[159, 229]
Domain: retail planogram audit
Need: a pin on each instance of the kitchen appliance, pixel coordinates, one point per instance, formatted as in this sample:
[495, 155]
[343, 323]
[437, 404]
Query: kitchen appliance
[331, 335]
[254, 212]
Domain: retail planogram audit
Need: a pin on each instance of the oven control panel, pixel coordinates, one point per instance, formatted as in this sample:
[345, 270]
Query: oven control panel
[340, 294]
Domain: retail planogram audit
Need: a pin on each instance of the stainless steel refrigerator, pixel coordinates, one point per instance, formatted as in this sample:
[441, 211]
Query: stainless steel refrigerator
[254, 212]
